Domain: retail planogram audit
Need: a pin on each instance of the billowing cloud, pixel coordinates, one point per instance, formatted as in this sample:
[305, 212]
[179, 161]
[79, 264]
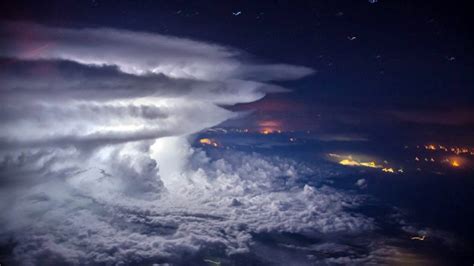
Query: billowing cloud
[108, 86]
[91, 217]
[96, 167]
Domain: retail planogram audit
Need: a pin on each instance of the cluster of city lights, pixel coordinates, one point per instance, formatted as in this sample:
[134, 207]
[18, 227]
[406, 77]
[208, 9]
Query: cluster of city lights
[426, 155]
[454, 149]
[454, 161]
[349, 160]
[452, 156]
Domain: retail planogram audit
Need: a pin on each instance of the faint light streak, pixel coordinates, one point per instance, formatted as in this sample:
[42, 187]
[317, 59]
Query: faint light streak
[217, 130]
[212, 262]
[420, 238]
[31, 53]
[36, 51]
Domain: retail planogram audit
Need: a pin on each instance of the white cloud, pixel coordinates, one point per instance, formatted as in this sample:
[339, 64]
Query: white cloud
[96, 166]
[96, 220]
[139, 53]
[119, 86]
[361, 183]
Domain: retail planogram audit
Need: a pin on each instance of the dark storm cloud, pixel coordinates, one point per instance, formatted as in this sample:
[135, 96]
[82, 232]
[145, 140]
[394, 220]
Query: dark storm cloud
[62, 80]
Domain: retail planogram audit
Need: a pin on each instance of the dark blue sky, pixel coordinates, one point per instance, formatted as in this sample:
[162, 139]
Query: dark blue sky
[388, 69]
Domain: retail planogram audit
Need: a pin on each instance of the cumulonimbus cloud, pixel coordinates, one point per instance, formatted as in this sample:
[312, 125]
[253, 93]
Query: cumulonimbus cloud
[95, 164]
[139, 53]
[56, 76]
[110, 94]
[95, 159]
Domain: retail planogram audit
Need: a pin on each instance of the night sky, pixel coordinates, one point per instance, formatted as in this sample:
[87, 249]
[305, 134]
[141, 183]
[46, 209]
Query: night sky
[236, 132]
[401, 68]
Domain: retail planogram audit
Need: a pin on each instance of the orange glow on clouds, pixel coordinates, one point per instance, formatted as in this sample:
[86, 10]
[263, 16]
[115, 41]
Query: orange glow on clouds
[206, 141]
[350, 161]
[269, 127]
[369, 164]
[270, 124]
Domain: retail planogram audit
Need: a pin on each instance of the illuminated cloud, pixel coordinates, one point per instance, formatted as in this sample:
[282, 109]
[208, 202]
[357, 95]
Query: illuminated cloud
[98, 97]
[96, 166]
[119, 86]
[139, 53]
